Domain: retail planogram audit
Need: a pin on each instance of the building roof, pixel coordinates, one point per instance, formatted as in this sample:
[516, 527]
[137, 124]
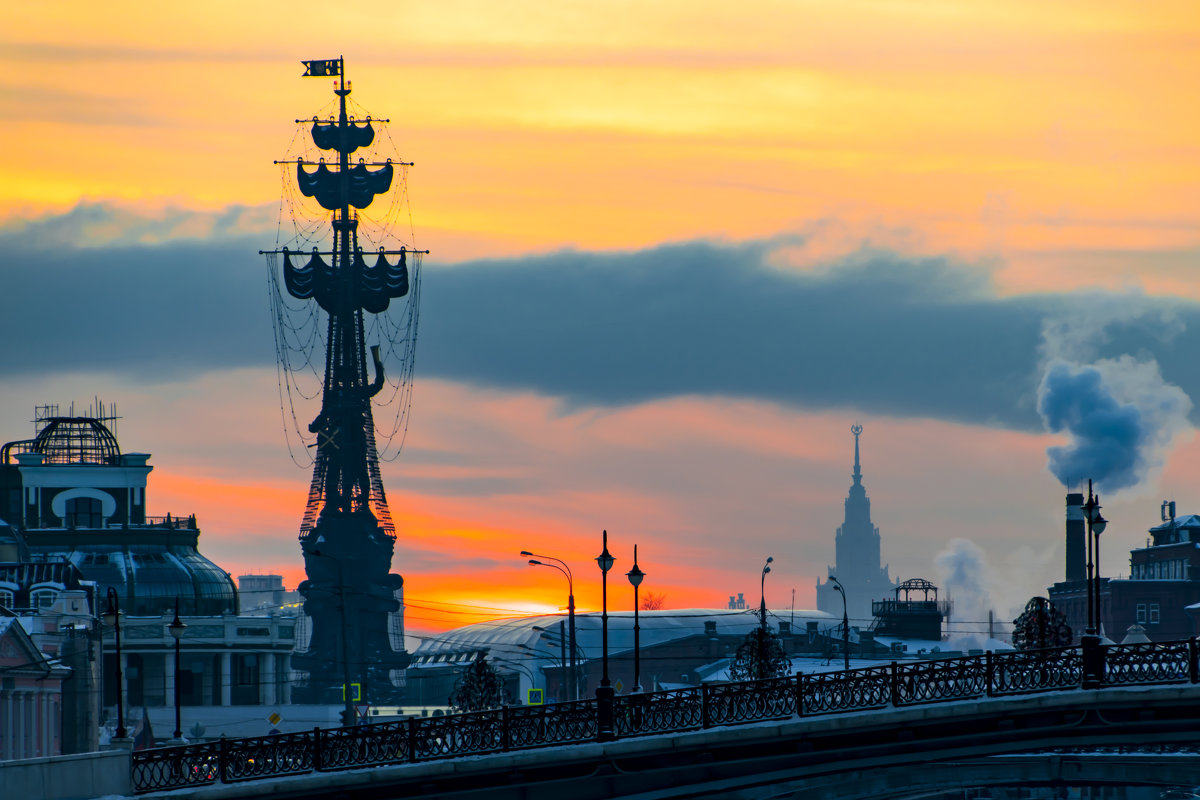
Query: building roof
[517, 638]
[1184, 521]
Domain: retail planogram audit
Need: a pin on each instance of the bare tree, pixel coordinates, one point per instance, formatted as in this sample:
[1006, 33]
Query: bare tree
[654, 601]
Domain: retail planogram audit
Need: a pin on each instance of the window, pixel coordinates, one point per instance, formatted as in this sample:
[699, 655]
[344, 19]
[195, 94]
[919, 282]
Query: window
[246, 670]
[1141, 613]
[1154, 613]
[43, 598]
[7, 598]
[84, 512]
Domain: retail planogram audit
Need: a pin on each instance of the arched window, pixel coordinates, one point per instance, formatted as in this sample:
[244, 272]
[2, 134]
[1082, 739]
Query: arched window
[84, 512]
[43, 598]
[7, 598]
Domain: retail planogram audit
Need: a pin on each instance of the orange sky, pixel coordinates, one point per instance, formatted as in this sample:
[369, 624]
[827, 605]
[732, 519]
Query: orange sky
[1057, 145]
[1012, 128]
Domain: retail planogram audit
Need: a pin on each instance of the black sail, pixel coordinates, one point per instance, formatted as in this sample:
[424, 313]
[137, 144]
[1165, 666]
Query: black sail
[377, 285]
[326, 185]
[327, 136]
[314, 280]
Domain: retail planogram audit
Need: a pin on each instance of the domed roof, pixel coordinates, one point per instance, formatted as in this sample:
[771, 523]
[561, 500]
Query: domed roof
[149, 577]
[76, 440]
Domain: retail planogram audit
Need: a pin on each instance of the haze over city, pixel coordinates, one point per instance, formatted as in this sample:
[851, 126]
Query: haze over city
[676, 252]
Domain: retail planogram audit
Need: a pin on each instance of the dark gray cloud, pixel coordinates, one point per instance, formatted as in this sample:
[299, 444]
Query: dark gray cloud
[878, 331]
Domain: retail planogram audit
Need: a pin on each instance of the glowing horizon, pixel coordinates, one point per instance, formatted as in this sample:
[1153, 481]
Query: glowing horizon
[1047, 151]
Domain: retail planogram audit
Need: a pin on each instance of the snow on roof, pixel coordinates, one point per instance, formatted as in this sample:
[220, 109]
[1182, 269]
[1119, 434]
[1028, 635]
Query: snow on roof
[509, 638]
[960, 643]
[1184, 521]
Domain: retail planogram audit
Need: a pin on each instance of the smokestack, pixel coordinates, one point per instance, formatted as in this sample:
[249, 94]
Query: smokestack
[1076, 539]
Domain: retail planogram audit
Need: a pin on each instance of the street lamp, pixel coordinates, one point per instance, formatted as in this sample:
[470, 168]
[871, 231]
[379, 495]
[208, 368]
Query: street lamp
[762, 594]
[176, 629]
[565, 570]
[1093, 656]
[837, 585]
[604, 693]
[112, 618]
[636, 576]
[1095, 525]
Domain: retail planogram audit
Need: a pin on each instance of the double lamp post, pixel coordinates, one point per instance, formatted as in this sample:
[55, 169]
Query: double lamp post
[605, 561]
[1093, 656]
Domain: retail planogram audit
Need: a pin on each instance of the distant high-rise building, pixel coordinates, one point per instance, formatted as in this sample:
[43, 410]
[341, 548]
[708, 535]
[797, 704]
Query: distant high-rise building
[857, 557]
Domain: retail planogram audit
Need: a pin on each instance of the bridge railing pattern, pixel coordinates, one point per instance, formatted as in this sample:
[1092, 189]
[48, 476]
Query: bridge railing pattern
[520, 727]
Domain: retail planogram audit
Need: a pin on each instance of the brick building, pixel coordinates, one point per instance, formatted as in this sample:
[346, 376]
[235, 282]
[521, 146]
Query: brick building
[1164, 579]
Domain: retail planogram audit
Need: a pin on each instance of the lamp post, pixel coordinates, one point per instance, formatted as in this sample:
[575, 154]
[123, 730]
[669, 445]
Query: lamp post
[762, 619]
[762, 594]
[604, 693]
[636, 576]
[1095, 525]
[1093, 657]
[565, 570]
[176, 629]
[837, 585]
[112, 618]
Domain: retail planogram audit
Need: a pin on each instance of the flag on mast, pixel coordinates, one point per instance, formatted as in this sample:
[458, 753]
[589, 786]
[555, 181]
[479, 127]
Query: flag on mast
[322, 69]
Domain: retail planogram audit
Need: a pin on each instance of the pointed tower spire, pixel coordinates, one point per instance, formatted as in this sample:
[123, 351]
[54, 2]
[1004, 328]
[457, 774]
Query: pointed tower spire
[856, 429]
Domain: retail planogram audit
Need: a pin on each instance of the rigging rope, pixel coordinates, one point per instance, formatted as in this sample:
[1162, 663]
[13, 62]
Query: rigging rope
[300, 328]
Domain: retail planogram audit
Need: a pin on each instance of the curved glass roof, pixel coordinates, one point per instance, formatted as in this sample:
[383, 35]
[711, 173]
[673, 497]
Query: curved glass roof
[149, 577]
[519, 637]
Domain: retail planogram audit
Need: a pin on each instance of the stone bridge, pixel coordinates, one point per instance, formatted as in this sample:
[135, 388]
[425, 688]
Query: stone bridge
[1141, 735]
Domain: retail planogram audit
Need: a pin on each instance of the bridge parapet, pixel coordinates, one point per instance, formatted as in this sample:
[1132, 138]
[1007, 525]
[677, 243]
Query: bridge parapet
[899, 684]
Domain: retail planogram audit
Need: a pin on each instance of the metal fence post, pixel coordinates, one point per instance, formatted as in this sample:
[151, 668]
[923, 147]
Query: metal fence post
[505, 731]
[799, 694]
[222, 759]
[412, 739]
[705, 703]
[317, 745]
[989, 673]
[1193, 665]
[895, 680]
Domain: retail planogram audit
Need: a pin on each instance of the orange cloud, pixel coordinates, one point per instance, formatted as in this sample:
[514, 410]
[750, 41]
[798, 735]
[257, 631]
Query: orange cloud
[537, 128]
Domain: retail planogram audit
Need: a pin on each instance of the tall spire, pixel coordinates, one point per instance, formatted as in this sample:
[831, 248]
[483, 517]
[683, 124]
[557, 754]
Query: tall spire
[856, 429]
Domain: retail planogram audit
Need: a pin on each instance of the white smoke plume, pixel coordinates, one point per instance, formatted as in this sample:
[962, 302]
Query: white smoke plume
[1120, 416]
[966, 580]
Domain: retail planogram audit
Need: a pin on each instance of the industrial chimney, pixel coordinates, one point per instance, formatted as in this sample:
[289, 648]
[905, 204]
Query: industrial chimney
[1076, 539]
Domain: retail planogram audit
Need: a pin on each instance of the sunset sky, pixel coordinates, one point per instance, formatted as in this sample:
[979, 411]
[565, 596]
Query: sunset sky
[678, 248]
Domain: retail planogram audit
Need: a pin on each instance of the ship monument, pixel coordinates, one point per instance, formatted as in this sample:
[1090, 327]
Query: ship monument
[333, 299]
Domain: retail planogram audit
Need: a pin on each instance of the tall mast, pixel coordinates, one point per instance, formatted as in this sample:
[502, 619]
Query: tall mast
[347, 535]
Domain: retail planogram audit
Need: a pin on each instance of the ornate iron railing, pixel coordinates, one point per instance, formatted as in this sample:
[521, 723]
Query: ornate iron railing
[659, 712]
[1153, 662]
[938, 681]
[749, 701]
[1030, 671]
[520, 727]
[849, 690]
